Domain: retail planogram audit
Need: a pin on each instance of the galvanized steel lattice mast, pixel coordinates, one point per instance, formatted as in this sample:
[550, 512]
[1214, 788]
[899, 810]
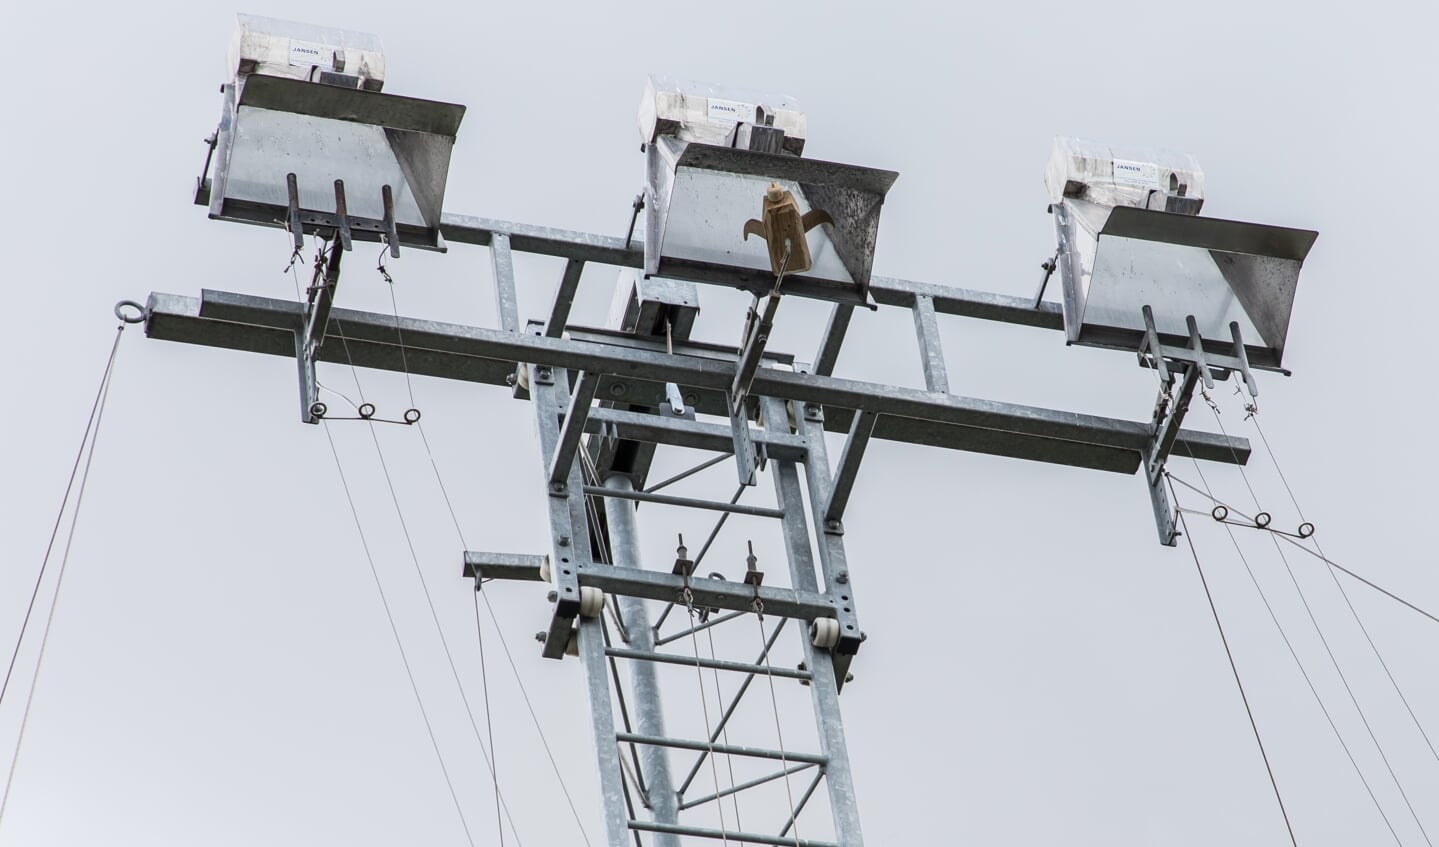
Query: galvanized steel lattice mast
[606, 398]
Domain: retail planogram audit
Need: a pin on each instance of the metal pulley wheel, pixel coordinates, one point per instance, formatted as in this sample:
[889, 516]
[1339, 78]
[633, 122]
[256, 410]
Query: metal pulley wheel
[592, 601]
[824, 633]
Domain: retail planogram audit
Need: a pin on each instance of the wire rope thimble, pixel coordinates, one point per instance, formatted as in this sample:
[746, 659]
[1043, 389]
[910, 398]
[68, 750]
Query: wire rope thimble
[1306, 529]
[318, 410]
[366, 410]
[1220, 512]
[411, 416]
[1262, 520]
[130, 312]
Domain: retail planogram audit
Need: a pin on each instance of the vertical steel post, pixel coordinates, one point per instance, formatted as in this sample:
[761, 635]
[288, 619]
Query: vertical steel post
[824, 688]
[649, 716]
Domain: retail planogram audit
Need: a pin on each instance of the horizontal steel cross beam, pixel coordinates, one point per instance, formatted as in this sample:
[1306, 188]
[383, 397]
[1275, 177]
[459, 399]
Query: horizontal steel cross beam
[476, 354]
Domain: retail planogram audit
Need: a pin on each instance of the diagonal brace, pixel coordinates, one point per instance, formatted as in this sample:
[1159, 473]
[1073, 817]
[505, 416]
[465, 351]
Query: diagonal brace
[573, 428]
[859, 432]
[312, 332]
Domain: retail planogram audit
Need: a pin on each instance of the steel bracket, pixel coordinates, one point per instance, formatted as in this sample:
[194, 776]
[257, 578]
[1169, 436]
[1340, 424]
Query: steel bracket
[1169, 412]
[311, 334]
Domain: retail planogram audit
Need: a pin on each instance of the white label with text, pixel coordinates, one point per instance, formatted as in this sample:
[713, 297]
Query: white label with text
[730, 110]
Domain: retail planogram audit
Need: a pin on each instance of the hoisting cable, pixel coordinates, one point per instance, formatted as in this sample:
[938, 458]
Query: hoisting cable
[778, 730]
[1294, 655]
[489, 725]
[504, 644]
[394, 630]
[1328, 650]
[92, 435]
[1234, 668]
[1254, 416]
[424, 587]
[704, 701]
[724, 734]
[494, 754]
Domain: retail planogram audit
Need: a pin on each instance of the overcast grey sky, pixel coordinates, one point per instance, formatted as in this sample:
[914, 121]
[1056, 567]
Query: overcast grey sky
[1038, 670]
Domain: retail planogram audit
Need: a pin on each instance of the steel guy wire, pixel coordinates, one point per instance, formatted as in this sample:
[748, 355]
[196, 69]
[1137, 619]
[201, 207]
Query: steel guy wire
[424, 587]
[1318, 555]
[64, 501]
[704, 706]
[394, 630]
[778, 730]
[1345, 594]
[1295, 655]
[1329, 651]
[98, 415]
[724, 735]
[1234, 668]
[504, 644]
[489, 725]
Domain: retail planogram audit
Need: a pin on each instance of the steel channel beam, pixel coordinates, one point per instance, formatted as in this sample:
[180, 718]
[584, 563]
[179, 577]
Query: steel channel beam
[639, 426]
[710, 664]
[514, 566]
[708, 592]
[569, 532]
[486, 355]
[886, 291]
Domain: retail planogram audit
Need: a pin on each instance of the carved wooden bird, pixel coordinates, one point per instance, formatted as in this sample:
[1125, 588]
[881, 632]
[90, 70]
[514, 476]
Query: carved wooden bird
[781, 221]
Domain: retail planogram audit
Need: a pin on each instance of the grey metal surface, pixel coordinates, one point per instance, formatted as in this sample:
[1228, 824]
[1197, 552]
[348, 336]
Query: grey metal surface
[322, 133]
[564, 298]
[1219, 272]
[485, 355]
[844, 475]
[503, 263]
[644, 683]
[520, 566]
[885, 291]
[607, 750]
[824, 687]
[569, 530]
[576, 415]
[931, 352]
[708, 592]
[694, 191]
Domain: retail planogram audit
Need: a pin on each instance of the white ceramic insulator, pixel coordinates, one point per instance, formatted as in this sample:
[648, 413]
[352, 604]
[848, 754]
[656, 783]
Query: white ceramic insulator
[824, 633]
[592, 601]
